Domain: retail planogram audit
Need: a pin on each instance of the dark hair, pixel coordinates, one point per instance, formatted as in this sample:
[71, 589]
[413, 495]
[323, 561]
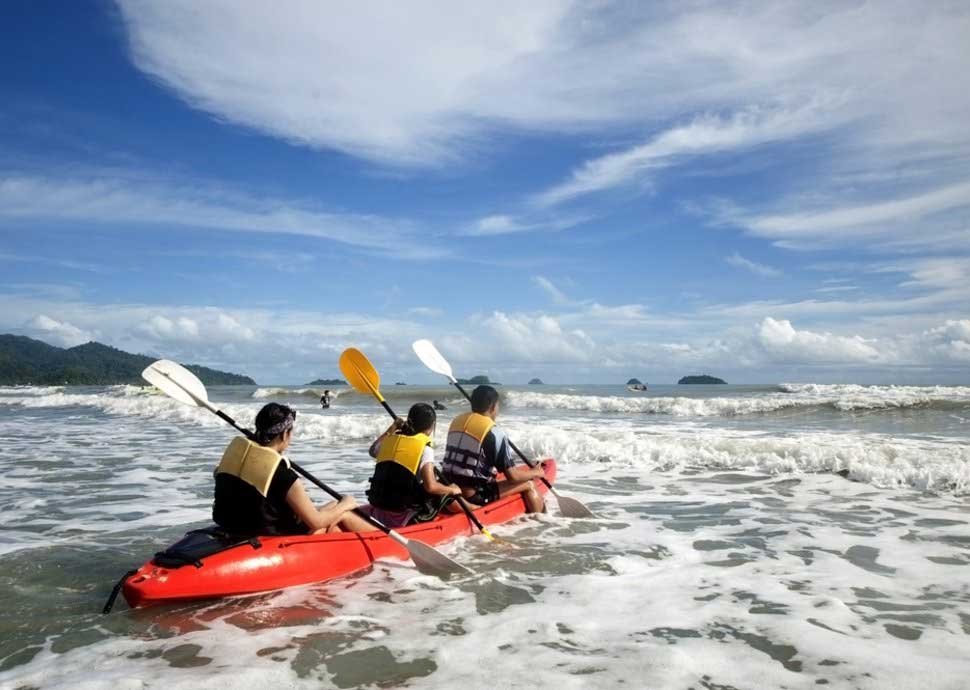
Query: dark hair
[273, 420]
[483, 397]
[421, 416]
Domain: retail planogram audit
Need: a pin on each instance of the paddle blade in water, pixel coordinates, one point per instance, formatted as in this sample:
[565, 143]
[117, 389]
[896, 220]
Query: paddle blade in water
[571, 508]
[175, 381]
[431, 358]
[432, 562]
[359, 372]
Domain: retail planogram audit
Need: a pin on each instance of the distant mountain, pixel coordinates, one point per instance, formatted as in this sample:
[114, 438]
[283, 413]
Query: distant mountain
[327, 382]
[701, 379]
[25, 360]
[633, 382]
[535, 382]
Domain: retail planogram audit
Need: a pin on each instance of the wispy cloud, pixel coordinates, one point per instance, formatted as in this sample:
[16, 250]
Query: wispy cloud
[426, 312]
[428, 83]
[706, 134]
[762, 270]
[157, 203]
[557, 295]
[504, 224]
[892, 219]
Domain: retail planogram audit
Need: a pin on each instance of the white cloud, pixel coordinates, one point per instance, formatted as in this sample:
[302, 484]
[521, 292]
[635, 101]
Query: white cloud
[134, 199]
[762, 270]
[62, 333]
[705, 135]
[502, 224]
[425, 82]
[900, 220]
[557, 295]
[501, 337]
[426, 312]
[948, 344]
[595, 341]
[783, 343]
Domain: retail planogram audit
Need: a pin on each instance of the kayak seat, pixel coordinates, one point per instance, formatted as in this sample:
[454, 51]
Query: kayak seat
[198, 544]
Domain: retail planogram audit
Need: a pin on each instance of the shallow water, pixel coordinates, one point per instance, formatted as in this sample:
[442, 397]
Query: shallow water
[726, 551]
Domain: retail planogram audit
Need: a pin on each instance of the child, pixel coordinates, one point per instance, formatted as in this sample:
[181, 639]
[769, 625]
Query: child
[404, 480]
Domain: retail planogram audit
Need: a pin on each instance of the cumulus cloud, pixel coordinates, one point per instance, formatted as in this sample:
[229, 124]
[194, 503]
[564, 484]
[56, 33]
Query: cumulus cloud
[782, 343]
[62, 333]
[582, 342]
[762, 270]
[503, 337]
[946, 344]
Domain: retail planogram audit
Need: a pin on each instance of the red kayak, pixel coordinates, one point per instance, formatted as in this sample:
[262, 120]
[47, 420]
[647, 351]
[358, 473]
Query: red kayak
[270, 563]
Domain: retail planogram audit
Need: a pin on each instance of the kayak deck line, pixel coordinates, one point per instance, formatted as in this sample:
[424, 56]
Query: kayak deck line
[276, 564]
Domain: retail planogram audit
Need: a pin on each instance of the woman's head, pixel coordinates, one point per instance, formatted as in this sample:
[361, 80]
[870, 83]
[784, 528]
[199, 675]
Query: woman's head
[274, 423]
[421, 420]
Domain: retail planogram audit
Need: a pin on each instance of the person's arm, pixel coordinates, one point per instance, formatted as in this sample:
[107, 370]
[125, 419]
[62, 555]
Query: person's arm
[317, 519]
[433, 486]
[395, 425]
[506, 463]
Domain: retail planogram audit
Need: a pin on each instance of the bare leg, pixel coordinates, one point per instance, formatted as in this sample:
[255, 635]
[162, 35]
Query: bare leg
[351, 522]
[533, 501]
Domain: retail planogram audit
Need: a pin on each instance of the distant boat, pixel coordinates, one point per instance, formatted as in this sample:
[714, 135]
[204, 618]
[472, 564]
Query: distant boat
[637, 387]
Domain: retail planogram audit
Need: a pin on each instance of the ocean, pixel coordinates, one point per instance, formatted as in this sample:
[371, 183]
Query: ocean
[782, 536]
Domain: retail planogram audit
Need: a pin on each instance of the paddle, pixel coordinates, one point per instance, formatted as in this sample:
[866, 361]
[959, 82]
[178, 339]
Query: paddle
[362, 375]
[431, 358]
[181, 384]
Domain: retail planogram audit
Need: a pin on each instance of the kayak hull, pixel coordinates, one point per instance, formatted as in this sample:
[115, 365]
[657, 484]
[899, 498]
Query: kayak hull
[288, 561]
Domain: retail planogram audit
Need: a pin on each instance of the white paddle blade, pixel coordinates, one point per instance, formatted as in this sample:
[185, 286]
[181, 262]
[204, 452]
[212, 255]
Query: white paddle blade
[176, 381]
[431, 358]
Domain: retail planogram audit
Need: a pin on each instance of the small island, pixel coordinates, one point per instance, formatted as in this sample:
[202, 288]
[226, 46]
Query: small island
[478, 381]
[327, 382]
[634, 382]
[400, 383]
[536, 382]
[703, 378]
[24, 360]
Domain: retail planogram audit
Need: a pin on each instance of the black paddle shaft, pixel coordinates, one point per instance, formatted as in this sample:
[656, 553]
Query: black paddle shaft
[511, 445]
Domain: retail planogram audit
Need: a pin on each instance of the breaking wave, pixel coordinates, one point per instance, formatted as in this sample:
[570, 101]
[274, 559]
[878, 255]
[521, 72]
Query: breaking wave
[149, 403]
[843, 398]
[878, 459]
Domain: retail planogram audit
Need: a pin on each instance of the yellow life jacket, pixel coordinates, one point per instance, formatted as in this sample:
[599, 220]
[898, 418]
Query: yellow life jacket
[404, 450]
[472, 424]
[251, 462]
[395, 484]
[463, 454]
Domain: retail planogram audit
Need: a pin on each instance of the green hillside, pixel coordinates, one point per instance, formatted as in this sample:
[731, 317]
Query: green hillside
[25, 360]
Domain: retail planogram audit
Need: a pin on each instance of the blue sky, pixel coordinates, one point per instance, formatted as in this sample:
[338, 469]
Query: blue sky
[579, 192]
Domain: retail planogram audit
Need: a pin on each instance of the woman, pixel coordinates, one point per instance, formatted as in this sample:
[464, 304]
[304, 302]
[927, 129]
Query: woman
[404, 480]
[259, 493]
